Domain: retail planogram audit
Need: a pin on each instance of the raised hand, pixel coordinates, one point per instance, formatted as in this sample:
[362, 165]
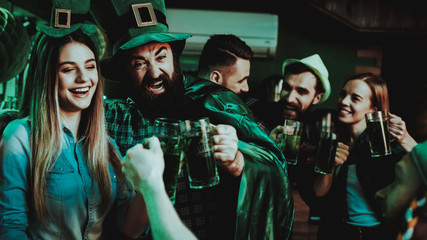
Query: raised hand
[397, 128]
[143, 165]
[341, 154]
[225, 148]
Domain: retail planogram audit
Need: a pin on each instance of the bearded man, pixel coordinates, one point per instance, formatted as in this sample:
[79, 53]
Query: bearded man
[253, 198]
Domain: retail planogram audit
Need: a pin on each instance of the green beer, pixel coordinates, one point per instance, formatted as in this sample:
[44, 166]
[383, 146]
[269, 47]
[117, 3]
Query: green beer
[290, 146]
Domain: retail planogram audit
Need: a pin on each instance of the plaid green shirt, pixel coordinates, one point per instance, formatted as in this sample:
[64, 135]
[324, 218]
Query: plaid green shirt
[128, 127]
[222, 211]
[126, 124]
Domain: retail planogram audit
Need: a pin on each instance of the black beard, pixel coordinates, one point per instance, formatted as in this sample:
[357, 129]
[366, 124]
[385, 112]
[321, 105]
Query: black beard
[295, 106]
[166, 103]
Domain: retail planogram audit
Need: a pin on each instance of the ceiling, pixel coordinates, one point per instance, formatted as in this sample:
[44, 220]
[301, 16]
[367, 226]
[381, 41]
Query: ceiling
[379, 16]
[396, 16]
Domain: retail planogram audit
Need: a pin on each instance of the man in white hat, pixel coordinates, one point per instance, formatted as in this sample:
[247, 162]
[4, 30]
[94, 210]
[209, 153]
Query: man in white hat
[254, 197]
[305, 84]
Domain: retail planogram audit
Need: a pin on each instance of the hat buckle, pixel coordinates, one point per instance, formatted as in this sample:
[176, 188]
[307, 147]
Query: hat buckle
[62, 18]
[144, 14]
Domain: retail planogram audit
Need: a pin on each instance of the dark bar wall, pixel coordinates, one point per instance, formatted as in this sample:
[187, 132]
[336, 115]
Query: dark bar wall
[404, 68]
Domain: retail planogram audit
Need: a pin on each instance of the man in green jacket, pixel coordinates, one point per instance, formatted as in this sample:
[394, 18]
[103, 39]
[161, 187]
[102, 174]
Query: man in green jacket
[254, 197]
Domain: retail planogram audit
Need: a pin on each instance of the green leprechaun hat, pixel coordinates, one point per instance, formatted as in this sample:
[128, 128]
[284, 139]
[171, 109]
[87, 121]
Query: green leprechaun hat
[68, 16]
[133, 23]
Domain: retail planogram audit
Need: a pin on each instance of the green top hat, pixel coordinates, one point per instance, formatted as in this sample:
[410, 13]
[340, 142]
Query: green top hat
[315, 63]
[133, 23]
[68, 16]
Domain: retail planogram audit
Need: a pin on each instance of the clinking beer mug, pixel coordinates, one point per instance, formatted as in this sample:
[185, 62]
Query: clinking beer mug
[200, 161]
[379, 136]
[327, 147]
[170, 134]
[289, 140]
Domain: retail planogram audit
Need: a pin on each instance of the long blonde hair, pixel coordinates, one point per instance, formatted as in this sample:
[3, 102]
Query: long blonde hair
[40, 104]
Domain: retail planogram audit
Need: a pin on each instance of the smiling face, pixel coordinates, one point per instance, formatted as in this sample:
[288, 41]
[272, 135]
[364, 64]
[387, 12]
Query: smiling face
[298, 94]
[77, 77]
[354, 102]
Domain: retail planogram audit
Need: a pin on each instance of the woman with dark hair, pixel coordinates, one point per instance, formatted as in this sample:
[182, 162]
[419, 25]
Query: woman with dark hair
[351, 210]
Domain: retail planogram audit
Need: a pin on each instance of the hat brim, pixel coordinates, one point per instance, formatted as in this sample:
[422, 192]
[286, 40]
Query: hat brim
[323, 79]
[153, 37]
[109, 65]
[88, 29]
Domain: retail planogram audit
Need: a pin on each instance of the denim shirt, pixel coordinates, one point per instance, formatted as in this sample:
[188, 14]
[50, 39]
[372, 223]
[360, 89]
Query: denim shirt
[73, 198]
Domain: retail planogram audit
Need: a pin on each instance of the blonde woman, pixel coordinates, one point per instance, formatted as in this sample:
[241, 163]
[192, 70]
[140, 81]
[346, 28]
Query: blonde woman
[60, 174]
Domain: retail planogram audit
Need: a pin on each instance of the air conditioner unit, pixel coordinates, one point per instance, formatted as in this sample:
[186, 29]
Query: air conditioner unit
[258, 30]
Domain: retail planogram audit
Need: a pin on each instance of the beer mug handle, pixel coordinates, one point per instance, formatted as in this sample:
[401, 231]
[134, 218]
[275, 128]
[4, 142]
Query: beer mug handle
[391, 139]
